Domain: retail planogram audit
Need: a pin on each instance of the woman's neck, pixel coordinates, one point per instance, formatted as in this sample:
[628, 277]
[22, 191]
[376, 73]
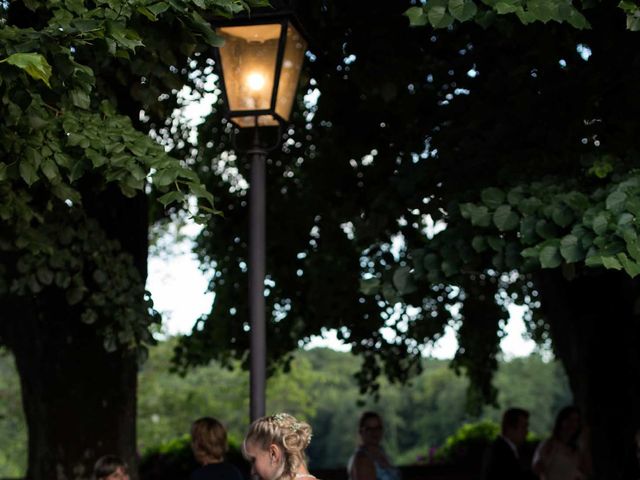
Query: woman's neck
[302, 473]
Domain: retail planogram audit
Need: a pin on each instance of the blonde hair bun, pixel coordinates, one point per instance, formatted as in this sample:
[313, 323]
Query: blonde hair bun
[286, 431]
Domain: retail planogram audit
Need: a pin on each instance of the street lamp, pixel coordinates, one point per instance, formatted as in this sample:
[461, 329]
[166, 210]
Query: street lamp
[259, 65]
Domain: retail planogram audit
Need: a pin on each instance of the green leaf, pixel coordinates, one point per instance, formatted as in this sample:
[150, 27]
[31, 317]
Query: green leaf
[370, 286]
[505, 219]
[99, 277]
[89, 316]
[561, 215]
[416, 16]
[550, 257]
[171, 197]
[403, 282]
[570, 250]
[528, 230]
[438, 17]
[480, 216]
[633, 23]
[611, 263]
[127, 38]
[633, 248]
[462, 10]
[431, 262]
[158, 8]
[200, 191]
[496, 243]
[600, 223]
[390, 294]
[577, 201]
[633, 205]
[616, 201]
[632, 268]
[503, 8]
[546, 230]
[50, 169]
[479, 244]
[577, 20]
[64, 192]
[45, 276]
[80, 99]
[109, 342]
[28, 171]
[449, 268]
[515, 196]
[97, 160]
[165, 177]
[152, 11]
[32, 63]
[542, 10]
[492, 197]
[529, 206]
[74, 295]
[593, 261]
[33, 156]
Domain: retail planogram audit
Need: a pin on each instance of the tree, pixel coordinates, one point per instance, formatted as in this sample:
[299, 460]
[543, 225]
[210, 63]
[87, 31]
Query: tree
[81, 86]
[519, 139]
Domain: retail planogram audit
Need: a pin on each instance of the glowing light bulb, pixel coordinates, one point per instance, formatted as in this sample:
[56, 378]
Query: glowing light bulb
[255, 81]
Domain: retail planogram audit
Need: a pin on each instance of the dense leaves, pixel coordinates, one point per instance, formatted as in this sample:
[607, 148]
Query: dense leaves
[81, 85]
[516, 143]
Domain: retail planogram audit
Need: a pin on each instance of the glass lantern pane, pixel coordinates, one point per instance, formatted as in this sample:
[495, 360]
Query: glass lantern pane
[290, 73]
[263, 121]
[249, 62]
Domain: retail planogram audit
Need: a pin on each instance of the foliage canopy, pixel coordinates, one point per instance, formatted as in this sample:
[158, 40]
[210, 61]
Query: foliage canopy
[519, 139]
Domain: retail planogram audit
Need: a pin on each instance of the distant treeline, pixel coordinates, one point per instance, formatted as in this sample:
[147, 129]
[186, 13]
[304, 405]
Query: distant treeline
[319, 387]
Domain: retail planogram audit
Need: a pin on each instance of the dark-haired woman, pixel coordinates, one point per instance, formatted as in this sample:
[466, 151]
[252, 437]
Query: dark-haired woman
[564, 456]
[370, 461]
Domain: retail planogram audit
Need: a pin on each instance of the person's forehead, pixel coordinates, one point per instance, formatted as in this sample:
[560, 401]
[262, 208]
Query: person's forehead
[372, 422]
[251, 449]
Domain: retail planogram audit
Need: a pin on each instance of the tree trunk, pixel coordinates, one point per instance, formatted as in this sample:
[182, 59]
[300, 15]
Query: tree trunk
[595, 330]
[79, 400]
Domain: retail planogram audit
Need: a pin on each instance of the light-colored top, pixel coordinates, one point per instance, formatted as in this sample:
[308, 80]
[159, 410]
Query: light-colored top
[383, 472]
[554, 460]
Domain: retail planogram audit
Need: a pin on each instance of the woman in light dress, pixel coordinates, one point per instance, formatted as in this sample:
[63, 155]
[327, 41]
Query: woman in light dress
[564, 455]
[274, 445]
[370, 461]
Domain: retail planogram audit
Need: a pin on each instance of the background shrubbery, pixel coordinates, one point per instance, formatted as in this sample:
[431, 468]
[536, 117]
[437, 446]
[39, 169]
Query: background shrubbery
[319, 388]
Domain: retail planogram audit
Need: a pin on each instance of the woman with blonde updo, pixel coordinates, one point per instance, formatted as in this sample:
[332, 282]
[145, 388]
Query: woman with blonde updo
[274, 446]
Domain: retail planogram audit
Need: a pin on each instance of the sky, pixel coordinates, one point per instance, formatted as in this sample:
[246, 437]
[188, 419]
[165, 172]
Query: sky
[178, 289]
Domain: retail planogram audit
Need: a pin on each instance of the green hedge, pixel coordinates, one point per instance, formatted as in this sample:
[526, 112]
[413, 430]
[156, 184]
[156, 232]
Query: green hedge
[467, 446]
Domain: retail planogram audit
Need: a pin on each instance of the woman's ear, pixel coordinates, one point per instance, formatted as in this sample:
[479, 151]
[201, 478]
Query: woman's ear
[275, 454]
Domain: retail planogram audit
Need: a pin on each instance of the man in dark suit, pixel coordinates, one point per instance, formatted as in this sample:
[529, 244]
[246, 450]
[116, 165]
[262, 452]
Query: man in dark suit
[503, 461]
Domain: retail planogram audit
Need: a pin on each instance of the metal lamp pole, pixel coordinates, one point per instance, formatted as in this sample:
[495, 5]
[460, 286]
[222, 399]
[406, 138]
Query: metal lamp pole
[257, 229]
[260, 96]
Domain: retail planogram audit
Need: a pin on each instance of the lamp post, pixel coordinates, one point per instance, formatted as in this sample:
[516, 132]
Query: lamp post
[259, 65]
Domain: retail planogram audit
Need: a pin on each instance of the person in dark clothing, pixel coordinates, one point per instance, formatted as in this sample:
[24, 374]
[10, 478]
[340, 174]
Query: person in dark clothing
[209, 444]
[502, 461]
[632, 463]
